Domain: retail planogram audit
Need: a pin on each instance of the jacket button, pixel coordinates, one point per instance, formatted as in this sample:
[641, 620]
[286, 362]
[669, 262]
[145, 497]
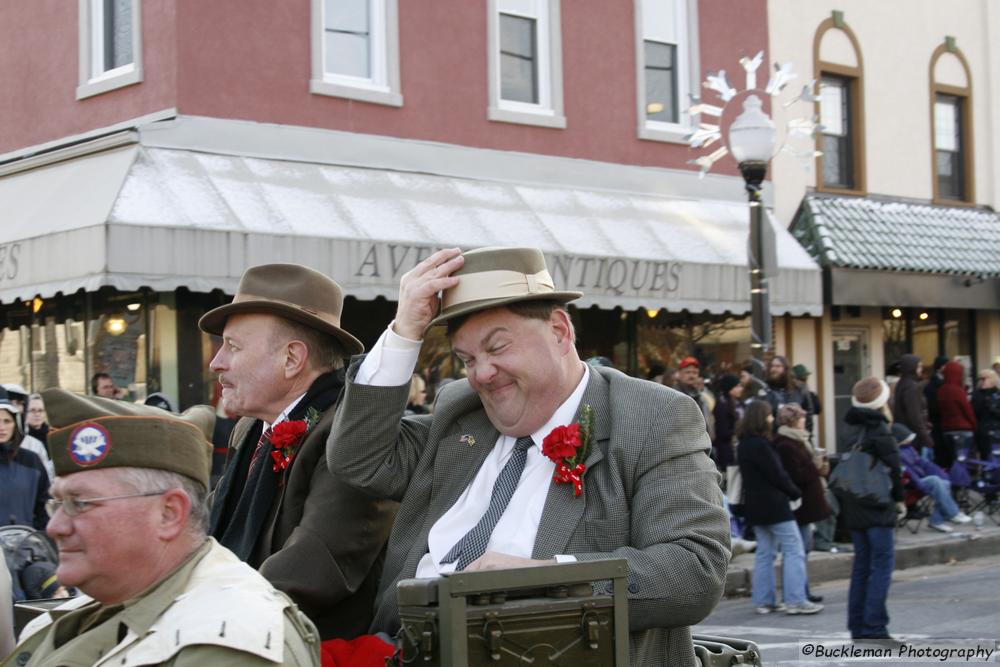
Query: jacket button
[633, 588]
[23, 658]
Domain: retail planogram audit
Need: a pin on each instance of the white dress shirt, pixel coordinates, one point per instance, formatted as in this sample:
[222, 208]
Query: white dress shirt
[284, 413]
[391, 363]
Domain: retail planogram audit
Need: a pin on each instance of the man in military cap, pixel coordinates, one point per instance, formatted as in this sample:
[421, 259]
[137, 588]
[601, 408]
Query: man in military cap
[477, 485]
[277, 506]
[128, 517]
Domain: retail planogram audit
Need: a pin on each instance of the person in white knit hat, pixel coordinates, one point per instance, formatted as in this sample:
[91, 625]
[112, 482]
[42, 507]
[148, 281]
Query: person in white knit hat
[872, 526]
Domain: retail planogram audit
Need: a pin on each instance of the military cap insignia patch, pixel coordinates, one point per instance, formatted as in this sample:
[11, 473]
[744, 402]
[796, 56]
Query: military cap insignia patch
[89, 444]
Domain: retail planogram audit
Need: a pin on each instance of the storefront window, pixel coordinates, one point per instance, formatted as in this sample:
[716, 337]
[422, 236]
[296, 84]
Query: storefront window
[57, 355]
[958, 327]
[895, 339]
[15, 355]
[117, 341]
[721, 343]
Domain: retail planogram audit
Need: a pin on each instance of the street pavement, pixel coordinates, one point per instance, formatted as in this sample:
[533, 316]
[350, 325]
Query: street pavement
[938, 606]
[926, 547]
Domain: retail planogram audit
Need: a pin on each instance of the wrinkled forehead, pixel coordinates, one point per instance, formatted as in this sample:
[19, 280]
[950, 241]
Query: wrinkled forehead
[88, 483]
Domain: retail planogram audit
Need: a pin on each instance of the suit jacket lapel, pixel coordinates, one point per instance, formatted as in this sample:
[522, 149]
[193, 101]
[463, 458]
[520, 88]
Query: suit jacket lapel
[563, 510]
[458, 460]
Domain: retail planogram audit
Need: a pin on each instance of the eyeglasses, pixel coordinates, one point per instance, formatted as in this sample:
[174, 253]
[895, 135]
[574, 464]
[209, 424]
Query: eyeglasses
[74, 506]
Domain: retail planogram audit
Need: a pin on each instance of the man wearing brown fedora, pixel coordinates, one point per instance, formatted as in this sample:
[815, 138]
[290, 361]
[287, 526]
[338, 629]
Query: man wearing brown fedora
[128, 515]
[277, 506]
[498, 476]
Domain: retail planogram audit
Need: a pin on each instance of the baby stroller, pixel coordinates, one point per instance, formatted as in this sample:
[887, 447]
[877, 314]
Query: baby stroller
[32, 562]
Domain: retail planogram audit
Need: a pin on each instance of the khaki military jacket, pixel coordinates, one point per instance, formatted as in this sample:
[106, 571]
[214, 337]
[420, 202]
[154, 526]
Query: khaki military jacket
[213, 610]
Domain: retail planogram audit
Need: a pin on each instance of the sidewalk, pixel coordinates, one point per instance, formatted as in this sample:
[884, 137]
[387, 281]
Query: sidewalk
[926, 547]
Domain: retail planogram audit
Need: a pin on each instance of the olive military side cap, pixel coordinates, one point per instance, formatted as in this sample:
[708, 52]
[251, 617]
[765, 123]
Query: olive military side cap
[91, 432]
[492, 277]
[291, 291]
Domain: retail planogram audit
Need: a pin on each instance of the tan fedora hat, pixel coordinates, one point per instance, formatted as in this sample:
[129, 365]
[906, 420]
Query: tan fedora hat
[494, 277]
[290, 291]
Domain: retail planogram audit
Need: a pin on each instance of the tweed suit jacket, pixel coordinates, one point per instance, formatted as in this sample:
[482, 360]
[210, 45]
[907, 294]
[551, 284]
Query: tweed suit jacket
[322, 541]
[651, 495]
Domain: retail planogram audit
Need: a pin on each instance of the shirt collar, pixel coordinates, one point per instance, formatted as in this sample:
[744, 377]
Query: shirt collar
[566, 412]
[284, 413]
[143, 610]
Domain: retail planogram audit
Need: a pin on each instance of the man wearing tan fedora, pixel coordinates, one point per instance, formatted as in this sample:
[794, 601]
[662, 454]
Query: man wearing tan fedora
[277, 506]
[477, 486]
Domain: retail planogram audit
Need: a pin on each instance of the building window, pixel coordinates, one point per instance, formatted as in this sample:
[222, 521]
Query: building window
[951, 117]
[839, 68]
[525, 62]
[110, 45]
[355, 46]
[518, 59]
[835, 103]
[667, 63]
[948, 148]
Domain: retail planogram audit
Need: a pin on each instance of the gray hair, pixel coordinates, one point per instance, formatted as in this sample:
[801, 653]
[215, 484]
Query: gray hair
[143, 480]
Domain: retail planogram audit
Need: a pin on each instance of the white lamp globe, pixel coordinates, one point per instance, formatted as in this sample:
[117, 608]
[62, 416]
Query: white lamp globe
[752, 135]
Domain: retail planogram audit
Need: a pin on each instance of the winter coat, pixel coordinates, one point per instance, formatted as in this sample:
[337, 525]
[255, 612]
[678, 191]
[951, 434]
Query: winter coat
[986, 407]
[908, 405]
[767, 488]
[797, 460]
[952, 401]
[727, 412]
[871, 428]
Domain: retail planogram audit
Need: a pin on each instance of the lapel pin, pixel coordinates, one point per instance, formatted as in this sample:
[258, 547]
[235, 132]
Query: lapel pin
[468, 440]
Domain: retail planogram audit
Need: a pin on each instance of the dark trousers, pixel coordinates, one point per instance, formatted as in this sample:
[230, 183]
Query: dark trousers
[874, 557]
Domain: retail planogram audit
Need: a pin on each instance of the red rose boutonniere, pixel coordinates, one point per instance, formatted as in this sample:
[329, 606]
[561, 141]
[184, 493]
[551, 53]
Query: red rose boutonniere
[288, 435]
[569, 447]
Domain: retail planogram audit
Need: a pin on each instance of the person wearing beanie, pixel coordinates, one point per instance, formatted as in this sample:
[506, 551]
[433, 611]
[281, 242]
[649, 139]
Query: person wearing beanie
[956, 418]
[930, 480]
[727, 412]
[798, 459]
[986, 407]
[908, 403]
[872, 526]
[128, 516]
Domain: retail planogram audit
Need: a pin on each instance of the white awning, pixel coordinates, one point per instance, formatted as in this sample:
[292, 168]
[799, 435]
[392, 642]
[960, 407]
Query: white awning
[161, 218]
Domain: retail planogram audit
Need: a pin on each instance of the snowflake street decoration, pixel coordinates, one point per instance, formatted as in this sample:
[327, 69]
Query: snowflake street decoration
[706, 134]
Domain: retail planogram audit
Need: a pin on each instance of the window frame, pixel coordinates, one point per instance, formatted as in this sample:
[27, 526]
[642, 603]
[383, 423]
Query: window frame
[91, 84]
[848, 85]
[384, 86]
[548, 112]
[688, 69]
[964, 94]
[856, 115]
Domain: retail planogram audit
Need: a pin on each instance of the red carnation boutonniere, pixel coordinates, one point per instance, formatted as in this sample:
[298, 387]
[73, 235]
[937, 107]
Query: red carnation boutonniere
[288, 435]
[569, 447]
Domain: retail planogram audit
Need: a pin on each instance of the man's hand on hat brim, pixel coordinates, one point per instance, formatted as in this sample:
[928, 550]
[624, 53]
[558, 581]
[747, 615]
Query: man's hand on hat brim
[418, 292]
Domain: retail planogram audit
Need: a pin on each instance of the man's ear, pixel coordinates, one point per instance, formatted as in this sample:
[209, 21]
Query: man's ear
[562, 327]
[175, 507]
[296, 358]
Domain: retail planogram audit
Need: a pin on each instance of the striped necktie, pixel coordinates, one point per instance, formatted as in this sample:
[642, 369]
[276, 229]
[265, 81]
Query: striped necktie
[473, 545]
[258, 452]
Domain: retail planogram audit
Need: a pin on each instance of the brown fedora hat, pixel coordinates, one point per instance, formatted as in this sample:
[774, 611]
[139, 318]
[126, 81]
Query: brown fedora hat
[494, 277]
[290, 291]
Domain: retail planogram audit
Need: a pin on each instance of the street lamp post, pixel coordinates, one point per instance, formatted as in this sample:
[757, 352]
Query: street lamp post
[752, 138]
[751, 141]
